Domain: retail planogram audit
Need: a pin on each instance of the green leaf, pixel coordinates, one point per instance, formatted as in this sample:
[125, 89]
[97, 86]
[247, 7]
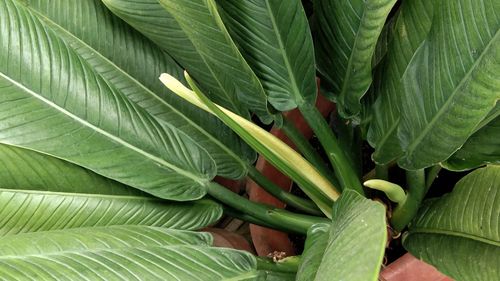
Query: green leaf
[347, 34]
[314, 249]
[275, 39]
[174, 262]
[483, 147]
[452, 82]
[54, 102]
[202, 24]
[161, 26]
[24, 169]
[98, 238]
[134, 70]
[32, 210]
[411, 25]
[354, 246]
[460, 232]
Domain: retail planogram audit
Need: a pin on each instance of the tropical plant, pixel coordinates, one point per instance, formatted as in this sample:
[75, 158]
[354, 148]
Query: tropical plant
[107, 174]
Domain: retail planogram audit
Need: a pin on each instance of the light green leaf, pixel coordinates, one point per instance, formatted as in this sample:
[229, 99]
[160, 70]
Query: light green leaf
[176, 262]
[54, 102]
[347, 34]
[483, 147]
[98, 238]
[133, 64]
[24, 169]
[452, 82]
[411, 25]
[355, 242]
[32, 210]
[460, 232]
[275, 40]
[202, 24]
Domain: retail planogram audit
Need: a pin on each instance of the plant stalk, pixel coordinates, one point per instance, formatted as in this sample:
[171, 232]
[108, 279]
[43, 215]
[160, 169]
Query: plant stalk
[432, 174]
[343, 170]
[286, 197]
[382, 171]
[286, 265]
[307, 150]
[405, 212]
[267, 216]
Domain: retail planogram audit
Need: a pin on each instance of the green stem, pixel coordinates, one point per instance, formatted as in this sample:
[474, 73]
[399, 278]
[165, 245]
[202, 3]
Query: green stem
[432, 175]
[267, 216]
[307, 150]
[405, 212]
[343, 170]
[288, 264]
[286, 197]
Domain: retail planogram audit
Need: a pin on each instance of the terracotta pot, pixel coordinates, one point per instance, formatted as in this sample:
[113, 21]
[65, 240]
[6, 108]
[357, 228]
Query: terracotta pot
[409, 268]
[269, 241]
[228, 239]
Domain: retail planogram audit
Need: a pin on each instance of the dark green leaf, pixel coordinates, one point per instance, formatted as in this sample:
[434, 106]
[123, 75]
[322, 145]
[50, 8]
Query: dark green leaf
[346, 37]
[117, 52]
[460, 232]
[275, 39]
[53, 101]
[200, 21]
[24, 169]
[452, 82]
[483, 147]
[411, 25]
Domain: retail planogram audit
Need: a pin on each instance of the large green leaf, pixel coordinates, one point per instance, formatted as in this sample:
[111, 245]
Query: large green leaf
[24, 169]
[275, 40]
[148, 17]
[410, 27]
[346, 37]
[117, 52]
[53, 101]
[33, 210]
[483, 147]
[355, 243]
[98, 238]
[452, 82]
[202, 24]
[122, 253]
[460, 232]
[314, 249]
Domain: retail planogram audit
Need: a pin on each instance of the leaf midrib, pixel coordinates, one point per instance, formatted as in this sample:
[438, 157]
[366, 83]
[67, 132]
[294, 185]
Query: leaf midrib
[140, 85]
[450, 99]
[460, 234]
[201, 181]
[295, 89]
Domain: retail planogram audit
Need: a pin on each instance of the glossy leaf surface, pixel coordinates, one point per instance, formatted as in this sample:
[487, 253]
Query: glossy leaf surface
[275, 40]
[53, 101]
[452, 82]
[459, 233]
[133, 64]
[347, 34]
